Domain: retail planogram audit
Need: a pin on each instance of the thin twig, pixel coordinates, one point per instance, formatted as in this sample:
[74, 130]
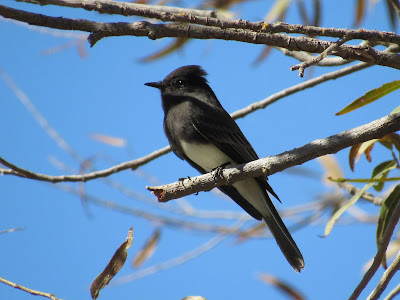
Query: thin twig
[320, 57]
[354, 190]
[28, 290]
[393, 293]
[380, 253]
[12, 230]
[24, 99]
[387, 276]
[134, 164]
[304, 56]
[297, 88]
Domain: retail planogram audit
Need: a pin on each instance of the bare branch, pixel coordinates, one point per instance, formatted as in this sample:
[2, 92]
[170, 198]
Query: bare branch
[367, 196]
[273, 164]
[156, 31]
[393, 293]
[28, 290]
[387, 276]
[134, 164]
[320, 57]
[297, 88]
[380, 253]
[213, 19]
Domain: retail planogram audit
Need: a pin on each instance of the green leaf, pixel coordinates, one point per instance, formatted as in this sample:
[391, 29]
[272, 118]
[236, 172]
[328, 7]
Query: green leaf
[382, 169]
[396, 110]
[371, 96]
[363, 180]
[277, 10]
[385, 214]
[379, 172]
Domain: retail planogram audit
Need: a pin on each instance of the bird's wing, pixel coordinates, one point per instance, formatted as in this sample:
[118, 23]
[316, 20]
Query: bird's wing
[222, 131]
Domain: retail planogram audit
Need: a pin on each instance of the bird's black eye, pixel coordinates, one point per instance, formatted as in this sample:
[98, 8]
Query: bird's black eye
[180, 83]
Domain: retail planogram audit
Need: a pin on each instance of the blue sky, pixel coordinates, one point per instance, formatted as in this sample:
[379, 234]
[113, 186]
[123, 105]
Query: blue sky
[66, 244]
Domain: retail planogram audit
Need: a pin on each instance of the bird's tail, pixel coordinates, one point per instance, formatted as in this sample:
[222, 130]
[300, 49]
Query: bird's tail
[283, 237]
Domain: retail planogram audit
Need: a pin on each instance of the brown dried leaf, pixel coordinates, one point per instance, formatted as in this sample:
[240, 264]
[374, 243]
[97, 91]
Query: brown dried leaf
[367, 152]
[331, 167]
[353, 156]
[263, 55]
[390, 140]
[112, 268]
[360, 12]
[317, 13]
[148, 249]
[284, 287]
[109, 140]
[252, 231]
[175, 45]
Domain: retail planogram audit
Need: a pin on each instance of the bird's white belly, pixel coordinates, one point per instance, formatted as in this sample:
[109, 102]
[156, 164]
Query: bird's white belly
[209, 157]
[206, 156]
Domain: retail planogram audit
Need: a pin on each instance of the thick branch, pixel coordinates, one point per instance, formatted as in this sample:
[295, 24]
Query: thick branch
[274, 164]
[155, 31]
[211, 18]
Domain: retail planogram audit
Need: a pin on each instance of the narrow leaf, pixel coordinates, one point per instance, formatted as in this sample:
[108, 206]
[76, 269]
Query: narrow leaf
[113, 267]
[277, 10]
[353, 156]
[371, 96]
[385, 214]
[331, 167]
[363, 180]
[288, 290]
[396, 110]
[360, 12]
[109, 140]
[317, 13]
[148, 249]
[341, 210]
[378, 173]
[392, 14]
[383, 169]
[176, 44]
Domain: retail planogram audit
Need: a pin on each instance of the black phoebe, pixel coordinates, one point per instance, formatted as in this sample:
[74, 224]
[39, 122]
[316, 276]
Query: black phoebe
[201, 132]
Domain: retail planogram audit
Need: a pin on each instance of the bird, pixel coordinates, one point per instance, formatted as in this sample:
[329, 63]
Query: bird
[201, 132]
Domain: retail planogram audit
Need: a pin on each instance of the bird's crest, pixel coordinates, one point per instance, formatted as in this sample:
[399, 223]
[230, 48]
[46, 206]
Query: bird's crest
[193, 72]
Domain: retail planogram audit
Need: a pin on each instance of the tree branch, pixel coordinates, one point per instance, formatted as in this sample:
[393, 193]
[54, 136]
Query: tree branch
[387, 276]
[380, 253]
[134, 164]
[28, 290]
[101, 30]
[274, 164]
[211, 18]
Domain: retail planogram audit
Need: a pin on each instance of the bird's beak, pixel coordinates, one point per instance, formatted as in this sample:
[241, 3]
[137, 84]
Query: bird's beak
[159, 84]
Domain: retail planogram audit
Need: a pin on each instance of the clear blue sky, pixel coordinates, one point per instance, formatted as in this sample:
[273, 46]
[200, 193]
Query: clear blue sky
[66, 244]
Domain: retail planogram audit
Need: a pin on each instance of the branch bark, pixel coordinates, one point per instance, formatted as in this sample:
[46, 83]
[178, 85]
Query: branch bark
[273, 164]
[263, 36]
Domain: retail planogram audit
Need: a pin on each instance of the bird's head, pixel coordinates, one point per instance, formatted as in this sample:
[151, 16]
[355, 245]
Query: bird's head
[183, 80]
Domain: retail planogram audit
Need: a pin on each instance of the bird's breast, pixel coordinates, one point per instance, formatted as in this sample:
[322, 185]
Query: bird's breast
[207, 156]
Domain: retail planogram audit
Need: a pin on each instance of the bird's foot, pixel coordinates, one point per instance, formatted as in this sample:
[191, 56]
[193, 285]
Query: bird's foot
[182, 179]
[218, 170]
